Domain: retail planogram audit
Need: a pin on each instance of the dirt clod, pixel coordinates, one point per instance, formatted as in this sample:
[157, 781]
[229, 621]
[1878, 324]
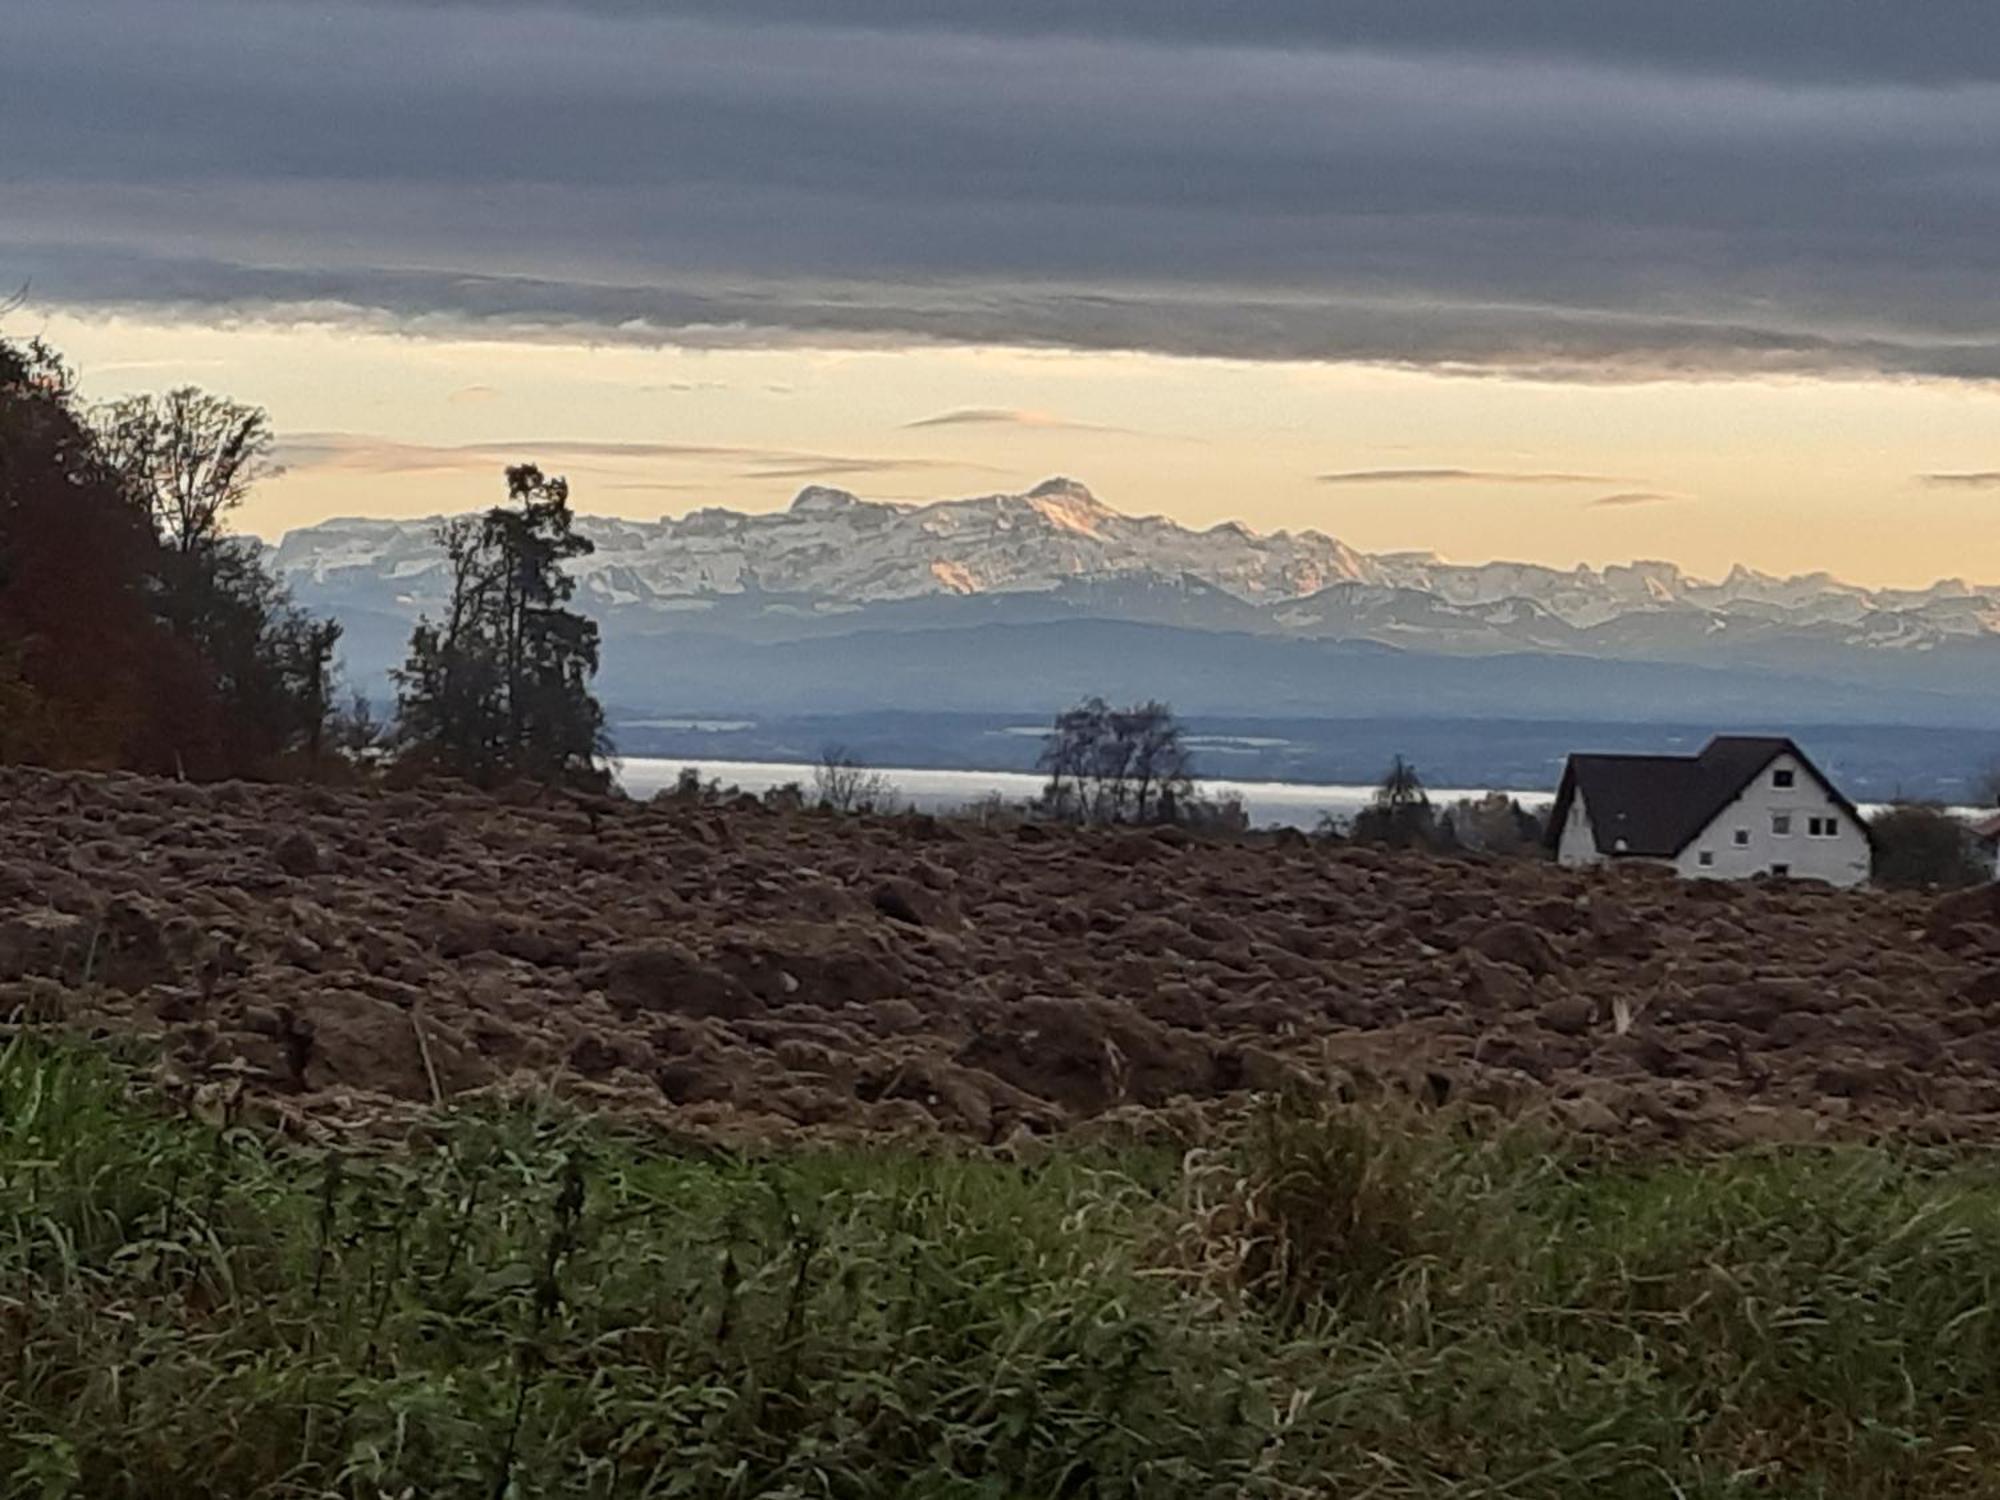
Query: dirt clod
[760, 972]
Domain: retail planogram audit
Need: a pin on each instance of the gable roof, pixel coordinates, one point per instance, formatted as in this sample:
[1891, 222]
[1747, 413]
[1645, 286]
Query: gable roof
[1654, 806]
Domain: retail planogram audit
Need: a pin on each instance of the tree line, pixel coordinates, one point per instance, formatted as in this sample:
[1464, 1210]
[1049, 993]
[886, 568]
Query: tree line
[138, 632]
[1133, 765]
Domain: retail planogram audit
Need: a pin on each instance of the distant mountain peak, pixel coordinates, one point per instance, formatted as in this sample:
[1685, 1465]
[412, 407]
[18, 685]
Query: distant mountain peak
[833, 555]
[1061, 485]
[1070, 507]
[819, 499]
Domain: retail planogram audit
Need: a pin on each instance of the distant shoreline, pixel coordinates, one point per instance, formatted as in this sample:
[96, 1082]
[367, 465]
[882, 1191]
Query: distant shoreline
[1291, 804]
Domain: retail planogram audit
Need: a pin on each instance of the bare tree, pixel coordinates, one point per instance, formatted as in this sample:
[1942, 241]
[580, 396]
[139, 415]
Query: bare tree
[842, 784]
[1159, 765]
[188, 457]
[1069, 757]
[1106, 765]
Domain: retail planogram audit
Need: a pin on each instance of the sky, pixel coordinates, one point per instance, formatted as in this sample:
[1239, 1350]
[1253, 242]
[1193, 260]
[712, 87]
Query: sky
[1563, 280]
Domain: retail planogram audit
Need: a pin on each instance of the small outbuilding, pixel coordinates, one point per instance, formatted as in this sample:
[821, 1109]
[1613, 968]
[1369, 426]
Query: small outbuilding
[1746, 805]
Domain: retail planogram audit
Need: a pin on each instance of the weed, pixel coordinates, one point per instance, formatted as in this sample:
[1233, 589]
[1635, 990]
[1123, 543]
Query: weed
[1341, 1302]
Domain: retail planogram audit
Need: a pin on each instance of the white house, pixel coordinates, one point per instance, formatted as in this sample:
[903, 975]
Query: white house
[1746, 805]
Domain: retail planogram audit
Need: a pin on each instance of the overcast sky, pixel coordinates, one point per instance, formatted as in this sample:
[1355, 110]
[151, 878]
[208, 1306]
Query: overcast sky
[1501, 221]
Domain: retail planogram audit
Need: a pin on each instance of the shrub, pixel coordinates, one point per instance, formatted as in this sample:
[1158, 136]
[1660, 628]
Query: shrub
[1339, 1299]
[1920, 844]
[841, 784]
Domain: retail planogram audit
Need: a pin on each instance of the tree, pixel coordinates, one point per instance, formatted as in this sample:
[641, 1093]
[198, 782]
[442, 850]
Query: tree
[273, 663]
[1919, 844]
[134, 630]
[1400, 814]
[1069, 756]
[1116, 765]
[94, 675]
[1492, 824]
[309, 645]
[190, 458]
[355, 729]
[842, 784]
[1157, 767]
[501, 685]
[449, 692]
[24, 718]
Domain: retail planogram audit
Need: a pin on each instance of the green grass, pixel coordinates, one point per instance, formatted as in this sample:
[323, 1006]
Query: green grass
[1338, 1303]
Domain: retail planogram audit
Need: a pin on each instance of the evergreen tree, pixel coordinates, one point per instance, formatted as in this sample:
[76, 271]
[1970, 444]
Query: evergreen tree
[501, 685]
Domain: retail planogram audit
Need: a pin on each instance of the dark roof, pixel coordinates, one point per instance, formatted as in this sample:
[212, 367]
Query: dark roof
[1653, 806]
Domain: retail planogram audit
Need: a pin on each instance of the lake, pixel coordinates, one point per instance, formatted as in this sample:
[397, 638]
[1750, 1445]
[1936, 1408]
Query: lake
[1297, 804]
[1284, 803]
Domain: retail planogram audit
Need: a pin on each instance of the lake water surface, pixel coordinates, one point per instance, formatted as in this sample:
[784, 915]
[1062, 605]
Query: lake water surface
[1296, 804]
[1285, 803]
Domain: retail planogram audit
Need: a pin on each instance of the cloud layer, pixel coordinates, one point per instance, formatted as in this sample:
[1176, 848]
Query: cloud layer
[1461, 476]
[367, 453]
[1626, 498]
[1007, 416]
[1978, 479]
[1569, 189]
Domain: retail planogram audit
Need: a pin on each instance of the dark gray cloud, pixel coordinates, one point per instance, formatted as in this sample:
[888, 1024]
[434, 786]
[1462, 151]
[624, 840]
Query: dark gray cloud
[1460, 476]
[1563, 189]
[1949, 40]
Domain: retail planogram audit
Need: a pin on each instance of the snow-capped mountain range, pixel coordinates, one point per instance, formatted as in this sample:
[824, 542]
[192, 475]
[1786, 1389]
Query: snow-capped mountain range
[834, 561]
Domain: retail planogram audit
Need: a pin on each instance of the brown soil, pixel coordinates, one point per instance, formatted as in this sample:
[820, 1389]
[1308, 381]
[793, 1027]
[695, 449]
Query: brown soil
[747, 972]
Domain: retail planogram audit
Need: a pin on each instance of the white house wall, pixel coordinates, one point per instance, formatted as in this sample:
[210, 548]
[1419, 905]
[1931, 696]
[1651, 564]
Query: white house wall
[1577, 844]
[1842, 859]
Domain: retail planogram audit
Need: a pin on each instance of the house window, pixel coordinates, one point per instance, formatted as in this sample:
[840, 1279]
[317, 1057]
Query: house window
[1782, 778]
[1706, 858]
[1781, 824]
[1781, 869]
[1743, 838]
[1822, 828]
